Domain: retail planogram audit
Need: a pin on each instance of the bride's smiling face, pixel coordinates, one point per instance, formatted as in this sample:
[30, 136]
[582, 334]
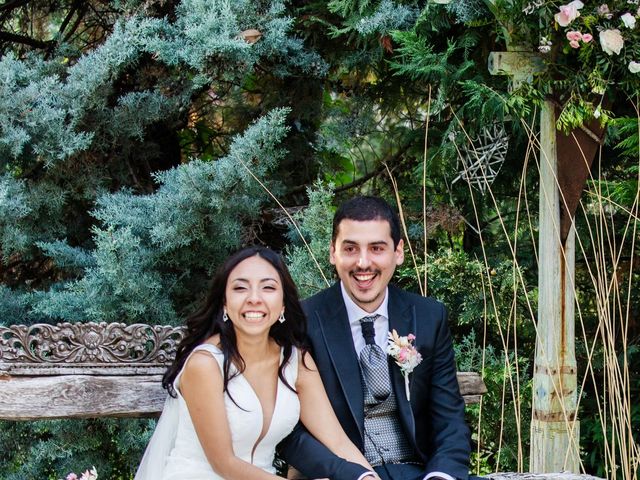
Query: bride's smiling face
[254, 296]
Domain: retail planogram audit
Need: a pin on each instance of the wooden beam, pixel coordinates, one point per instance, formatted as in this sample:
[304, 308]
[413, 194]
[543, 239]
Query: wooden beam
[554, 428]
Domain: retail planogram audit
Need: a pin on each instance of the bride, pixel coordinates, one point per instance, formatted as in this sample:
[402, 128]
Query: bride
[241, 381]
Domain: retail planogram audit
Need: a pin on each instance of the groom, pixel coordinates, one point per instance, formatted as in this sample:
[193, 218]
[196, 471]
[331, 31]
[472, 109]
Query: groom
[414, 436]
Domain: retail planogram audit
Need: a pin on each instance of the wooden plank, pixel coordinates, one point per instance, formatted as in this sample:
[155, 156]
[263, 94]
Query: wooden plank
[541, 476]
[471, 383]
[80, 396]
[90, 396]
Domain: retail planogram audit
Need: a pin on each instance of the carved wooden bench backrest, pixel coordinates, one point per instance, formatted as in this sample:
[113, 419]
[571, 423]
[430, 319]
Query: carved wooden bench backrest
[81, 370]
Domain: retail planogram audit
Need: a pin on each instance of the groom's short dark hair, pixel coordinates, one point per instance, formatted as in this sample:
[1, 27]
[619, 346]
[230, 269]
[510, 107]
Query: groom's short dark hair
[366, 208]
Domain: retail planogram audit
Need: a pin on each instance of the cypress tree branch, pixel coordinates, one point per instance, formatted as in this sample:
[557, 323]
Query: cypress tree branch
[32, 42]
[13, 4]
[69, 16]
[392, 160]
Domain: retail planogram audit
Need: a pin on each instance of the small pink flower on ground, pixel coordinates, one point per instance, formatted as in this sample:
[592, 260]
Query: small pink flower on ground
[634, 67]
[611, 41]
[72, 476]
[572, 35]
[628, 20]
[568, 13]
[587, 37]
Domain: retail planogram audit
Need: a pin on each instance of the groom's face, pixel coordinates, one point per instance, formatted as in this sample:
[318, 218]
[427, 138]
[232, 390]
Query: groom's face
[365, 259]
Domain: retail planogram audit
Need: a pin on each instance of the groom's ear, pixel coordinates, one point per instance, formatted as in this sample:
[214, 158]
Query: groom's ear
[399, 252]
[332, 253]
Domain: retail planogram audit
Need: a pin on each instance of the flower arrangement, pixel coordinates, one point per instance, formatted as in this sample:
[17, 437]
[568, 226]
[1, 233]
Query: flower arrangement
[592, 52]
[401, 349]
[590, 49]
[87, 475]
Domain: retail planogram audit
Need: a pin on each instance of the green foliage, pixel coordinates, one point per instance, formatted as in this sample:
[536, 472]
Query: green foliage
[130, 276]
[314, 223]
[29, 212]
[468, 11]
[50, 449]
[500, 425]
[365, 19]
[477, 296]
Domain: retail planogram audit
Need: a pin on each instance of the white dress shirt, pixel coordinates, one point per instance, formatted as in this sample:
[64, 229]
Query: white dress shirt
[381, 326]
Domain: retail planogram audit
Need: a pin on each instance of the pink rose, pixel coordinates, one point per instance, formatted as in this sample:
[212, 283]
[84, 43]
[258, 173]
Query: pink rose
[603, 9]
[402, 355]
[574, 36]
[611, 41]
[72, 476]
[587, 37]
[568, 13]
[411, 337]
[574, 44]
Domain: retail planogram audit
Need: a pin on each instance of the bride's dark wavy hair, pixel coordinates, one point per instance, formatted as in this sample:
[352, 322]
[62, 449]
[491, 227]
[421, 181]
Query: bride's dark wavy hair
[207, 321]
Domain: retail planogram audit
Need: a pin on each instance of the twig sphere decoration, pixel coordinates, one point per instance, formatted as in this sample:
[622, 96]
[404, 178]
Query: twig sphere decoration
[482, 158]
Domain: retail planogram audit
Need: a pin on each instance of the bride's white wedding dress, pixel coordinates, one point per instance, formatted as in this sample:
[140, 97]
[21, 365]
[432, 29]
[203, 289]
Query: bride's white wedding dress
[174, 452]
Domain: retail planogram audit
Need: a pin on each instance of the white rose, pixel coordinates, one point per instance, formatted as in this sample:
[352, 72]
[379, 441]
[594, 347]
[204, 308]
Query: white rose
[628, 20]
[611, 41]
[568, 13]
[634, 67]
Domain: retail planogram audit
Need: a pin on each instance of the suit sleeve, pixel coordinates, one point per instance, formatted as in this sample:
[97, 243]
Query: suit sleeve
[302, 451]
[449, 435]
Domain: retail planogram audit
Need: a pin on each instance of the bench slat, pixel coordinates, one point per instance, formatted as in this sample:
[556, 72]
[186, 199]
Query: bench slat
[80, 396]
[92, 396]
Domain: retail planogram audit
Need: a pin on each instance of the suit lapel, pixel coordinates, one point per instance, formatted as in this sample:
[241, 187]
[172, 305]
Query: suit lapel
[402, 319]
[334, 325]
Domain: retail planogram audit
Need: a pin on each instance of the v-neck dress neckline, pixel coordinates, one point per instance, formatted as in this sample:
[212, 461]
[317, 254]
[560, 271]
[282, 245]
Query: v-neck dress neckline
[245, 418]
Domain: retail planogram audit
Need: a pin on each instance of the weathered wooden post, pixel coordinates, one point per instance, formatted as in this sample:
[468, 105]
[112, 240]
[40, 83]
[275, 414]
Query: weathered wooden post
[554, 428]
[555, 431]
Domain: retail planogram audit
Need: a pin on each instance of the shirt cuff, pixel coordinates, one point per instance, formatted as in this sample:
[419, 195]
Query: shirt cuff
[446, 476]
[364, 475]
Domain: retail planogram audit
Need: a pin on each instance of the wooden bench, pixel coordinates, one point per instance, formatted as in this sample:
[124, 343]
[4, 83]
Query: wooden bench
[85, 370]
[88, 370]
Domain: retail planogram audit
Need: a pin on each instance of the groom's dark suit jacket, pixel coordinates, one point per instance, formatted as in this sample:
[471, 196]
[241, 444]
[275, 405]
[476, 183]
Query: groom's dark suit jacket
[434, 418]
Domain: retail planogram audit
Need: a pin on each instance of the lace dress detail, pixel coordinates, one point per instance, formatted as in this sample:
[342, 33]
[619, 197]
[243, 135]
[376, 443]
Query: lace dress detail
[187, 460]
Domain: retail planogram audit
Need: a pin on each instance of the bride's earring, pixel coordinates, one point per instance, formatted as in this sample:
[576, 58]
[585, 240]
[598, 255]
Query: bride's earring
[281, 318]
[225, 317]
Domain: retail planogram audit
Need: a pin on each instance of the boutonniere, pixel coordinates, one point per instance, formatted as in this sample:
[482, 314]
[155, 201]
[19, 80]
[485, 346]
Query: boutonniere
[401, 349]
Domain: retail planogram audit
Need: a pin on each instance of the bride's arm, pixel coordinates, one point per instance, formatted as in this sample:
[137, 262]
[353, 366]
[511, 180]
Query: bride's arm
[317, 415]
[201, 385]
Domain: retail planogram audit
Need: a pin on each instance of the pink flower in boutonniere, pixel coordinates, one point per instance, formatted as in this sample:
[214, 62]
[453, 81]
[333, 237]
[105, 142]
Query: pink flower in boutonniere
[401, 349]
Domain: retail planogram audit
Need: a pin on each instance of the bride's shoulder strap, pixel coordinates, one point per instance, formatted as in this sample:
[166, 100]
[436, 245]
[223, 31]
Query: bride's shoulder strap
[291, 370]
[204, 347]
[211, 349]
